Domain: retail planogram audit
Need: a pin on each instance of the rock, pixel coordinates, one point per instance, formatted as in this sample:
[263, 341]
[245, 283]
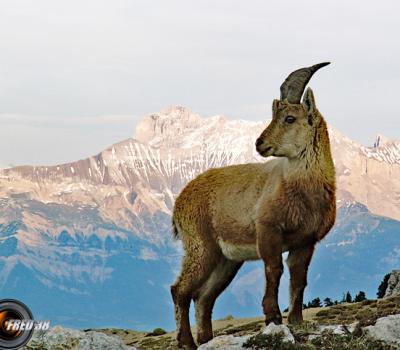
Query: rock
[225, 342]
[393, 287]
[230, 342]
[274, 329]
[338, 329]
[66, 339]
[335, 329]
[386, 329]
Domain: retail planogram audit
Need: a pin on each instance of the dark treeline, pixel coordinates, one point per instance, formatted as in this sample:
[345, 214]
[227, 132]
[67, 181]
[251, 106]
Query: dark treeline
[347, 297]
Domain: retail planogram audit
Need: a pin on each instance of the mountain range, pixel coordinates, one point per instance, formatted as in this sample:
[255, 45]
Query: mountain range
[88, 243]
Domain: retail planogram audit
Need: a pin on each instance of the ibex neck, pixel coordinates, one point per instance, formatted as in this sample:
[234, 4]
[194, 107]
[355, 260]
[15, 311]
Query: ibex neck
[315, 164]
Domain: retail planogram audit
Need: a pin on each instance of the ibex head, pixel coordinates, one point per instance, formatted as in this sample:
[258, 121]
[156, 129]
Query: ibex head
[293, 123]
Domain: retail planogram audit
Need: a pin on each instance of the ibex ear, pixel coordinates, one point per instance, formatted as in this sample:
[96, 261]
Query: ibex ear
[275, 105]
[309, 101]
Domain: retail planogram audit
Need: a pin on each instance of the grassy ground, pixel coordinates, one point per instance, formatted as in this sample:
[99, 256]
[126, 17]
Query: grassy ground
[365, 313]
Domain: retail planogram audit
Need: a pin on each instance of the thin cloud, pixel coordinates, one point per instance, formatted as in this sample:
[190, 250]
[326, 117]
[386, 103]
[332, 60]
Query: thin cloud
[62, 122]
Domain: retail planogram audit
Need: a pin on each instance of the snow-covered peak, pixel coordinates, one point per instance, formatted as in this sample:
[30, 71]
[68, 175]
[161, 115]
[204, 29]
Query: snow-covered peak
[384, 150]
[179, 127]
[167, 126]
[145, 173]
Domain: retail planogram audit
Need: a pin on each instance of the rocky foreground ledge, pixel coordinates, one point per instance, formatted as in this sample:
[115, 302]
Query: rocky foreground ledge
[368, 325]
[385, 334]
[71, 339]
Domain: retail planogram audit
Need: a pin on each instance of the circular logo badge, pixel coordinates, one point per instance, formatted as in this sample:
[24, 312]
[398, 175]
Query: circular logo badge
[14, 314]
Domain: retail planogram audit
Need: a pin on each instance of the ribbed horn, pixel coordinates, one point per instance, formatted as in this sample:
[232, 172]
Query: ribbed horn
[293, 87]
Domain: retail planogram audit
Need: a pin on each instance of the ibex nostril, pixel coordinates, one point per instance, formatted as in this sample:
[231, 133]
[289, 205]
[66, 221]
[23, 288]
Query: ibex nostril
[259, 142]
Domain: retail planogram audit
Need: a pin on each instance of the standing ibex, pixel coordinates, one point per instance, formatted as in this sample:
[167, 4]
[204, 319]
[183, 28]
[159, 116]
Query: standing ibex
[258, 211]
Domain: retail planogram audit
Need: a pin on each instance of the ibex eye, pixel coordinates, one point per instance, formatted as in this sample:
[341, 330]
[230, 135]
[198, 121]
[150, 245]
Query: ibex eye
[290, 119]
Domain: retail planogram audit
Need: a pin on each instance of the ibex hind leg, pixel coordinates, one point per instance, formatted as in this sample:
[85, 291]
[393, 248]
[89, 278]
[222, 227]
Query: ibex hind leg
[221, 276]
[196, 268]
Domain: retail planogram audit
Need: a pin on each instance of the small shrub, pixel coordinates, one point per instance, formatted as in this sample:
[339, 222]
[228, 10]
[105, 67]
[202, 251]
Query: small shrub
[244, 329]
[365, 315]
[302, 331]
[368, 302]
[330, 341]
[334, 311]
[272, 342]
[388, 305]
[227, 318]
[322, 313]
[156, 332]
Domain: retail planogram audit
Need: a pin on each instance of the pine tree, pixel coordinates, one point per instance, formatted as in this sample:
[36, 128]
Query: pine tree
[383, 286]
[343, 298]
[348, 297]
[316, 302]
[328, 302]
[360, 296]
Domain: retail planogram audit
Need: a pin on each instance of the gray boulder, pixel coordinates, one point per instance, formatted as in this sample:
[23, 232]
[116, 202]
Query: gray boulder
[72, 339]
[230, 342]
[274, 329]
[386, 329]
[225, 342]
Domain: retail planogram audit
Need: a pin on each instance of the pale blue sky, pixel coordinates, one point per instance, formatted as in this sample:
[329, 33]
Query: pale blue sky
[76, 75]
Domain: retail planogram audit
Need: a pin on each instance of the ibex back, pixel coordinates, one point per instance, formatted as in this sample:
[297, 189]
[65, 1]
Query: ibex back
[229, 215]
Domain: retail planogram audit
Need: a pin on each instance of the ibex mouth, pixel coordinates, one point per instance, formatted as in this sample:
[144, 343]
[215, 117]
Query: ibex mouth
[266, 152]
[262, 148]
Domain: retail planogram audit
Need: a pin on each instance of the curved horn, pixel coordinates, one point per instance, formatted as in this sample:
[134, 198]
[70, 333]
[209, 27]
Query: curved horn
[293, 87]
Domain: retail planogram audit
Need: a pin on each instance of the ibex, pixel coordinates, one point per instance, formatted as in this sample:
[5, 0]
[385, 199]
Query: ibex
[229, 215]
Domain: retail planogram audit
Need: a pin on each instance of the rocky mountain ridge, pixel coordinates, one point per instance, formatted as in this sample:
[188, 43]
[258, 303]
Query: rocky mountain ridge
[393, 284]
[143, 174]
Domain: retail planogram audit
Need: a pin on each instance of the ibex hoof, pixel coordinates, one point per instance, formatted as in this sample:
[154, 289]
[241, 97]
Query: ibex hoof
[202, 339]
[295, 319]
[187, 347]
[186, 344]
[276, 319]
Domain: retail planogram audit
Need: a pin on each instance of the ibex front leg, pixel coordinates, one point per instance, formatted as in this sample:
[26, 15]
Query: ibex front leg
[269, 241]
[298, 261]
